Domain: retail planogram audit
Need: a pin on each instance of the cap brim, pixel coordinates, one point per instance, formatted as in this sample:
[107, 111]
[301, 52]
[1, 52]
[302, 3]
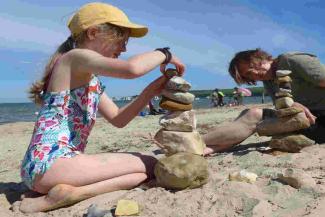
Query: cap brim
[136, 30]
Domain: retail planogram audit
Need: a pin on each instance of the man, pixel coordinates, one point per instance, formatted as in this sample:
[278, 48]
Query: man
[217, 98]
[308, 91]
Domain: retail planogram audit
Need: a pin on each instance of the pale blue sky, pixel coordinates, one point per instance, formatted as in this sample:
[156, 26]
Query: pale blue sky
[205, 34]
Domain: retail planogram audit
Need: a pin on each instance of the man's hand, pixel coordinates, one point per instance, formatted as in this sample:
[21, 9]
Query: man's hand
[308, 114]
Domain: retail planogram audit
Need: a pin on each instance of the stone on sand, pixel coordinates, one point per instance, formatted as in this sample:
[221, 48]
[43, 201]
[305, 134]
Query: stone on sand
[290, 143]
[94, 211]
[182, 170]
[243, 176]
[126, 208]
[297, 178]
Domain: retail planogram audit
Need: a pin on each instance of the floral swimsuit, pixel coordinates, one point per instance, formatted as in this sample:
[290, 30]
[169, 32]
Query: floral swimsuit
[62, 128]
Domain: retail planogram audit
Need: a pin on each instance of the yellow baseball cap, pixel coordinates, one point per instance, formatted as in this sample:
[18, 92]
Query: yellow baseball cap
[97, 13]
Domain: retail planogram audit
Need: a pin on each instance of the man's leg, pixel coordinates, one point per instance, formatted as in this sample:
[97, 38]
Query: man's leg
[226, 135]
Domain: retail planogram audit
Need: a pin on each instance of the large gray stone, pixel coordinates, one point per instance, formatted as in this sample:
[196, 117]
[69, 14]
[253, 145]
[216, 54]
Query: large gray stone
[276, 126]
[288, 111]
[172, 142]
[290, 143]
[178, 83]
[184, 121]
[182, 170]
[182, 97]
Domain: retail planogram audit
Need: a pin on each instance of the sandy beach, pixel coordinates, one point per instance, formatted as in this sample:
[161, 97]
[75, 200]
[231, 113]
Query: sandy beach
[219, 197]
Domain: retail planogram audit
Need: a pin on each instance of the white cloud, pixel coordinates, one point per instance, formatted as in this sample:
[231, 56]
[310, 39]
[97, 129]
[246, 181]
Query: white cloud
[18, 34]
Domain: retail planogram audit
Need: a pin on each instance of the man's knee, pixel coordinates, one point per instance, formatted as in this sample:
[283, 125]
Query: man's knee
[252, 114]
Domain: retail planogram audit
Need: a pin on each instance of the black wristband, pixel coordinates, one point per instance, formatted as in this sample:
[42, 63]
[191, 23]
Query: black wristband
[167, 53]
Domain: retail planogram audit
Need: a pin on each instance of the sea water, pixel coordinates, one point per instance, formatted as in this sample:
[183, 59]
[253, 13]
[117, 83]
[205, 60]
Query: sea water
[15, 112]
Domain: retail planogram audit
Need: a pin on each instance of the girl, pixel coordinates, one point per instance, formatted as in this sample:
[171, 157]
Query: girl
[70, 94]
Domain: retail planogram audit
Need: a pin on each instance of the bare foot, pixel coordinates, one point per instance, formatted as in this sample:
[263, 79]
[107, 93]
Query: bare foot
[209, 150]
[59, 196]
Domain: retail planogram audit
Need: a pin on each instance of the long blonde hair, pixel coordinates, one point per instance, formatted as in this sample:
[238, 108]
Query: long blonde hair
[112, 32]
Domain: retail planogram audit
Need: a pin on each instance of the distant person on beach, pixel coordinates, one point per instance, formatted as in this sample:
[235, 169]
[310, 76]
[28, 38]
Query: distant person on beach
[308, 91]
[238, 96]
[70, 95]
[217, 98]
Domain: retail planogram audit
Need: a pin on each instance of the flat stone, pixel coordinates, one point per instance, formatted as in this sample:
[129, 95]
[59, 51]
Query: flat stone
[290, 143]
[171, 105]
[283, 94]
[276, 126]
[127, 207]
[243, 176]
[181, 97]
[172, 142]
[285, 85]
[297, 178]
[285, 79]
[283, 102]
[281, 90]
[178, 83]
[94, 211]
[288, 111]
[184, 121]
[181, 171]
[281, 73]
[170, 72]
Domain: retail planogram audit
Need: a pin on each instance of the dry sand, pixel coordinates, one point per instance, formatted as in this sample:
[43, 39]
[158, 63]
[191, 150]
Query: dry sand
[219, 197]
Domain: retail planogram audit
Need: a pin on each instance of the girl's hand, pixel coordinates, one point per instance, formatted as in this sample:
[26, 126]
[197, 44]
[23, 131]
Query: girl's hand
[155, 87]
[308, 114]
[180, 67]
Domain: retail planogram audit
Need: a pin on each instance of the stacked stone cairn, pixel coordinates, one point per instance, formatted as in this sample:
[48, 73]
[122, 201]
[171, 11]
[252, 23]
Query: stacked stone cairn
[184, 166]
[284, 128]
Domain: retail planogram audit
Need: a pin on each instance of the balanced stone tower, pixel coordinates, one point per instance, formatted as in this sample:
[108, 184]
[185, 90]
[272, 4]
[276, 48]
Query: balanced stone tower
[184, 166]
[289, 120]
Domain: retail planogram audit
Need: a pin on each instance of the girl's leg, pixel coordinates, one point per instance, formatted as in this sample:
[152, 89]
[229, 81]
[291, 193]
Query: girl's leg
[84, 176]
[63, 195]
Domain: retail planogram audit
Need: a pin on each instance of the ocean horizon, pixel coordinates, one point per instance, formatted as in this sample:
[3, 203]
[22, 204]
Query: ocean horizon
[27, 111]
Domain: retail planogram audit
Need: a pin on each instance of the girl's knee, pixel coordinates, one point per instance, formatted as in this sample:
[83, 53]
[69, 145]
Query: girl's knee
[40, 186]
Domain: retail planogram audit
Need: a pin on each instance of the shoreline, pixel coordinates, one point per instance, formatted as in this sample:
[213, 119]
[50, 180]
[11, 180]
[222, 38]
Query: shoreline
[196, 109]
